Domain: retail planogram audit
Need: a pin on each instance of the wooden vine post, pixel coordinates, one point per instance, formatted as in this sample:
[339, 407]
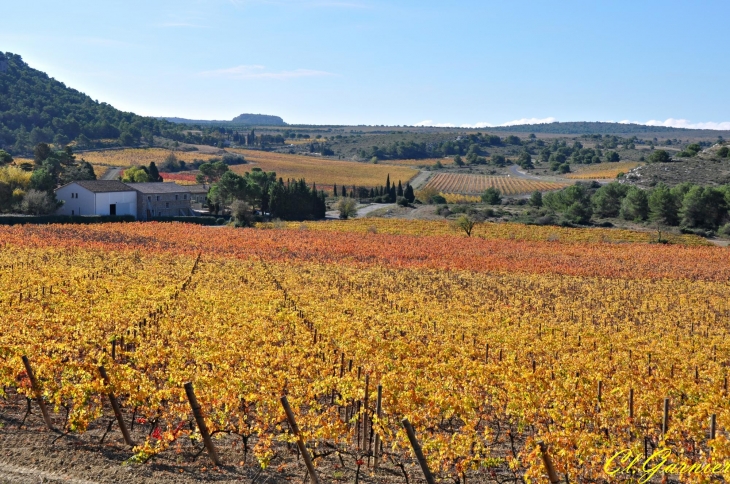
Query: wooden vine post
[665, 418]
[300, 442]
[548, 463]
[115, 406]
[417, 450]
[366, 418]
[37, 392]
[378, 413]
[201, 423]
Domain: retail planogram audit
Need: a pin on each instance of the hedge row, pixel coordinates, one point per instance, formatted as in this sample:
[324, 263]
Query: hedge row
[64, 219]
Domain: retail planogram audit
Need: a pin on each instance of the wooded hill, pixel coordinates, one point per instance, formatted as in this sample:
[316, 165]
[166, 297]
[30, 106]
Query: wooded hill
[35, 108]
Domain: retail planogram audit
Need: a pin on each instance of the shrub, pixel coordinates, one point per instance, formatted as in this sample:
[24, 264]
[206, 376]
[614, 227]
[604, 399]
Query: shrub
[37, 202]
[402, 201]
[492, 196]
[347, 208]
[725, 230]
[659, 156]
[536, 199]
[241, 213]
[437, 199]
[64, 219]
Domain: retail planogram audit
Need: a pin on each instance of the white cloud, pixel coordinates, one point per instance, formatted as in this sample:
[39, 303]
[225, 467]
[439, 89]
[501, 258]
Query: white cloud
[484, 124]
[683, 123]
[429, 122]
[260, 72]
[529, 121]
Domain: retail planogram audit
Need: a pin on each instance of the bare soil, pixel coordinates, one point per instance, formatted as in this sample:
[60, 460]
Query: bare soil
[29, 453]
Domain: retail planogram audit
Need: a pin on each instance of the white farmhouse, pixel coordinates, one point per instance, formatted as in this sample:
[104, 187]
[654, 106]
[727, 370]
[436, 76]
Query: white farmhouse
[97, 197]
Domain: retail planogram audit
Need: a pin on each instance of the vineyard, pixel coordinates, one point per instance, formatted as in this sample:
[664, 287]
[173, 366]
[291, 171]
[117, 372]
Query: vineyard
[136, 157]
[421, 162]
[463, 184]
[604, 171]
[488, 345]
[323, 171]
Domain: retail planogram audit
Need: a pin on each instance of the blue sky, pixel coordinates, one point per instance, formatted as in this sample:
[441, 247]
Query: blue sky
[475, 63]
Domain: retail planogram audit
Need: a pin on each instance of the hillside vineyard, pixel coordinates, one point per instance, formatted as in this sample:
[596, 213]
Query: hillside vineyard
[486, 344]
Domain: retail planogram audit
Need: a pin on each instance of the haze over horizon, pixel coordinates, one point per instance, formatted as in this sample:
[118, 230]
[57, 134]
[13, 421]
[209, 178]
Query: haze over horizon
[369, 62]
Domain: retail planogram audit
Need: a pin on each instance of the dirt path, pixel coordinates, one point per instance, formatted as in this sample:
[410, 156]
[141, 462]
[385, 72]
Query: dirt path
[111, 173]
[362, 210]
[420, 180]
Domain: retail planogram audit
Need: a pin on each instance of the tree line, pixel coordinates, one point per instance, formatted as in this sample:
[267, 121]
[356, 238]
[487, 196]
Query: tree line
[694, 208]
[29, 187]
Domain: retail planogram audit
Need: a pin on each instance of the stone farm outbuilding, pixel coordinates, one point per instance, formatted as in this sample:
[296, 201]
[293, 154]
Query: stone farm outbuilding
[166, 199]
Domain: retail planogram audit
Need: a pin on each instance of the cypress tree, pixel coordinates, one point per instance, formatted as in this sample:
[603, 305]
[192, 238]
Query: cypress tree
[408, 193]
[335, 189]
[400, 189]
[387, 184]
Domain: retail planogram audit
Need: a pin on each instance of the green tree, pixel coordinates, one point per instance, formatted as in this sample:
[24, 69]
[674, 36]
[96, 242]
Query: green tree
[492, 196]
[607, 199]
[465, 223]
[613, 157]
[574, 202]
[723, 152]
[635, 206]
[458, 161]
[347, 208]
[536, 199]
[154, 173]
[5, 157]
[136, 174]
[41, 152]
[241, 213]
[703, 208]
[663, 206]
[498, 160]
[211, 172]
[408, 193]
[42, 180]
[525, 161]
[659, 156]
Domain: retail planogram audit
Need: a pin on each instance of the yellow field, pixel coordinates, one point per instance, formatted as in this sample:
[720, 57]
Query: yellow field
[424, 162]
[323, 171]
[463, 184]
[134, 156]
[603, 171]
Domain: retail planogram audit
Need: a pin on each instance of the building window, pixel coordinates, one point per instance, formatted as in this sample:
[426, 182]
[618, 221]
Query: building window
[167, 204]
[185, 197]
[149, 199]
[158, 198]
[176, 196]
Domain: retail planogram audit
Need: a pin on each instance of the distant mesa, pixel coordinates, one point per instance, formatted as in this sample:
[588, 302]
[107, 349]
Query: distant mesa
[248, 119]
